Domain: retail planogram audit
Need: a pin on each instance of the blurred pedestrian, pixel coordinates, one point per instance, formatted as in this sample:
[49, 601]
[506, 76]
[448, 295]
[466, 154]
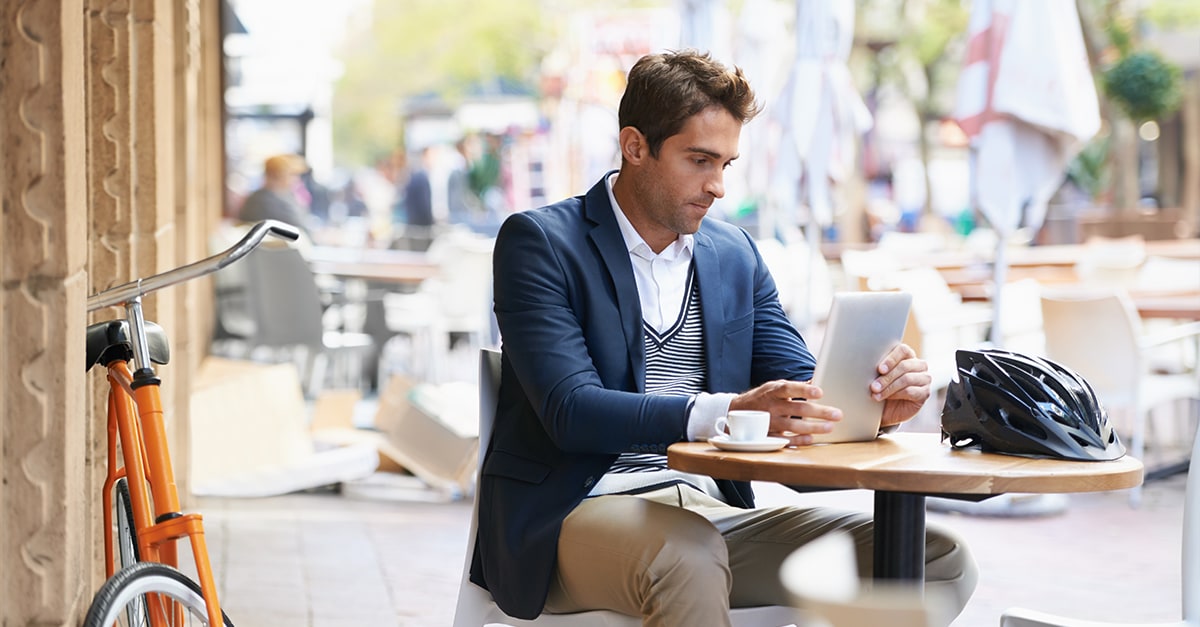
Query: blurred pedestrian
[276, 199]
[415, 205]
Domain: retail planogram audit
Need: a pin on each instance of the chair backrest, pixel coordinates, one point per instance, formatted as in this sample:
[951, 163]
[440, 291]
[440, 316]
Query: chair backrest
[823, 581]
[475, 607]
[1096, 335]
[284, 300]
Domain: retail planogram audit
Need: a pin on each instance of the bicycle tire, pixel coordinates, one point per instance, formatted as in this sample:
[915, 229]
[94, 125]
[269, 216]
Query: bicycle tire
[130, 585]
[127, 543]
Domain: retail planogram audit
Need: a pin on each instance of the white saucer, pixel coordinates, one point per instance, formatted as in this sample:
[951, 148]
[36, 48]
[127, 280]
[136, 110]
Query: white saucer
[752, 446]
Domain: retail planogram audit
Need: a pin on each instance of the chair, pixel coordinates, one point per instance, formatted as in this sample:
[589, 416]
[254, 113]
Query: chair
[1190, 572]
[802, 278]
[940, 322]
[285, 305]
[823, 582]
[1100, 336]
[475, 606]
[454, 304]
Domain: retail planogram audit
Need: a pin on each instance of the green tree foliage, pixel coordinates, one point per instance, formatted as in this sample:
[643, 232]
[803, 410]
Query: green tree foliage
[1144, 85]
[1140, 81]
[445, 48]
[1172, 14]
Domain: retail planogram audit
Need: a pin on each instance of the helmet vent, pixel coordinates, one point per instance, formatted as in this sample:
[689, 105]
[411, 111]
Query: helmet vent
[1027, 426]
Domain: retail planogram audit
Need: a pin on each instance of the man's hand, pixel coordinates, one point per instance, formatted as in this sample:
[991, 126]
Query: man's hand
[903, 385]
[793, 414]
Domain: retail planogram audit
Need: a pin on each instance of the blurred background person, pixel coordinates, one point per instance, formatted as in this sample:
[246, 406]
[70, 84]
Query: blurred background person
[276, 199]
[414, 205]
[463, 204]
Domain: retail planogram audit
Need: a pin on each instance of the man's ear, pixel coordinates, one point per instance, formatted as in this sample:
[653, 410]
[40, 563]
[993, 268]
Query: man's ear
[633, 145]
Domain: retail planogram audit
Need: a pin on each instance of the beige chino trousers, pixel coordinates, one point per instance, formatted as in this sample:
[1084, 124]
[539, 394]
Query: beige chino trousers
[676, 556]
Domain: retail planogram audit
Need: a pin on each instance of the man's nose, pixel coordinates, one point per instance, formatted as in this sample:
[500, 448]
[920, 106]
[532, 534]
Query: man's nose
[716, 185]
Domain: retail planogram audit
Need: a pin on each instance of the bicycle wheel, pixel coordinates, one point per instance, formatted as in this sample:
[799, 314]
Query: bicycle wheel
[127, 546]
[122, 599]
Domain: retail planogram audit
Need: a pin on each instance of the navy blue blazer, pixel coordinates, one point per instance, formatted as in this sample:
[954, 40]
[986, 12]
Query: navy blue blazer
[573, 375]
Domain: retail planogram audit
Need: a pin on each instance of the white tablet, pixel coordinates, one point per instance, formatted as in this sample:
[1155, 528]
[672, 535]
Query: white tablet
[862, 327]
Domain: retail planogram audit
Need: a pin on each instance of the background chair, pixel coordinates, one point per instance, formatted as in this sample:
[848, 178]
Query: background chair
[285, 306]
[1190, 572]
[1100, 336]
[449, 316]
[802, 277]
[475, 606]
[939, 322]
[823, 581]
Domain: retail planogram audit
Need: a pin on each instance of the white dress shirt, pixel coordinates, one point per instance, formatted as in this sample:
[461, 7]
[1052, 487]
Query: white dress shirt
[661, 284]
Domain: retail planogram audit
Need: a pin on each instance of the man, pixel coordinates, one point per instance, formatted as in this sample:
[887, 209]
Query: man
[276, 199]
[630, 323]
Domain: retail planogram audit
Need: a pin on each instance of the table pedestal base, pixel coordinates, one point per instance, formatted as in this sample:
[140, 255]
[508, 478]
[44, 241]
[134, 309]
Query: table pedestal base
[899, 536]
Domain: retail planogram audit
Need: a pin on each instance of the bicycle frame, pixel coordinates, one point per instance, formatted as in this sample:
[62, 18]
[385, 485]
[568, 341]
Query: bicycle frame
[135, 420]
[135, 423]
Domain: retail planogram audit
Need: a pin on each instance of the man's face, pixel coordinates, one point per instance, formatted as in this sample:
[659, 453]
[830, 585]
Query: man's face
[675, 190]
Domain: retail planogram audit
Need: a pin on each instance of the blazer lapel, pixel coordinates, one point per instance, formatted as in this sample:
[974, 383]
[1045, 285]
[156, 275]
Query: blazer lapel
[614, 255]
[712, 299]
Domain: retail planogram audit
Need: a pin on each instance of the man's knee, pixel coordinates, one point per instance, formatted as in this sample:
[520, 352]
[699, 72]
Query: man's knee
[635, 556]
[690, 544]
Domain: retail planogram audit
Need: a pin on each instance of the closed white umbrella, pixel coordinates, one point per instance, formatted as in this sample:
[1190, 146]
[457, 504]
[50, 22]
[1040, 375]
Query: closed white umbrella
[820, 116]
[1027, 101]
[820, 111]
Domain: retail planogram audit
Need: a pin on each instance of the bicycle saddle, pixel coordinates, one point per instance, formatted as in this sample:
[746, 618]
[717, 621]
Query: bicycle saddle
[108, 341]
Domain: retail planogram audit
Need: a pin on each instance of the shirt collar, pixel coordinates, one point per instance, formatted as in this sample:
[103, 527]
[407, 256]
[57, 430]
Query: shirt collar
[634, 243]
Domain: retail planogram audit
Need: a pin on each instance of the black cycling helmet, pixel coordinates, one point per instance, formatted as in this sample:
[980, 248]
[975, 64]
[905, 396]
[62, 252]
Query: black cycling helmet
[1017, 404]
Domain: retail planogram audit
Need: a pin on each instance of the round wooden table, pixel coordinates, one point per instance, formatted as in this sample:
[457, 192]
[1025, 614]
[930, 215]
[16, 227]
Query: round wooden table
[902, 469]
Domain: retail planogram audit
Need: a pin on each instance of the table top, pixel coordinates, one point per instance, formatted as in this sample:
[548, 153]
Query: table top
[394, 266]
[1049, 256]
[907, 462]
[1175, 306]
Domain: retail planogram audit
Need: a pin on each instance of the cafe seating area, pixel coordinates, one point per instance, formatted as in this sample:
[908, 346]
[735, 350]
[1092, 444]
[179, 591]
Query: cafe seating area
[423, 316]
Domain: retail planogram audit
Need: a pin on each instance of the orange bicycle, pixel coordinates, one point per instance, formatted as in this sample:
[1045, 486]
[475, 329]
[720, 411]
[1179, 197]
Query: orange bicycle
[144, 586]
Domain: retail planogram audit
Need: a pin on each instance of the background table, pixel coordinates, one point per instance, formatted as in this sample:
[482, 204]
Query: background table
[382, 265]
[902, 469]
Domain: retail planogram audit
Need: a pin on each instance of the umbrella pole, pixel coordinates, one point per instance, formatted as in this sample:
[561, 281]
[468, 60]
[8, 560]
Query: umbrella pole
[999, 277]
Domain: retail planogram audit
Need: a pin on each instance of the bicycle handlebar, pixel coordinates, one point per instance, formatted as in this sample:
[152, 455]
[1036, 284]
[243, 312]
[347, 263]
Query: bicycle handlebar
[124, 293]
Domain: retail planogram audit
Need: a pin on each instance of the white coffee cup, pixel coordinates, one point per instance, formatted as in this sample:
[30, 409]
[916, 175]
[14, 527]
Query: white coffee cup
[745, 425]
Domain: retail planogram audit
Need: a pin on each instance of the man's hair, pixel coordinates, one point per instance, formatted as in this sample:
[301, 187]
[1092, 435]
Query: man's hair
[664, 90]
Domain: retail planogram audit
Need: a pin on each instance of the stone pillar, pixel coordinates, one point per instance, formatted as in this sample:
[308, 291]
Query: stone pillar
[44, 487]
[102, 114]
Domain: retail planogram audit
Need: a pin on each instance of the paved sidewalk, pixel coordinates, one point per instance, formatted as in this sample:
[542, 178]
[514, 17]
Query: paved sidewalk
[320, 559]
